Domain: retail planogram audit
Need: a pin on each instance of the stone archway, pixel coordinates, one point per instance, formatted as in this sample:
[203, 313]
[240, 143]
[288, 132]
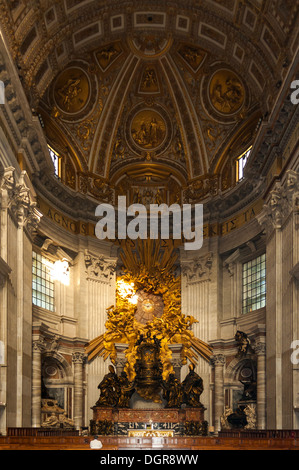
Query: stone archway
[56, 386]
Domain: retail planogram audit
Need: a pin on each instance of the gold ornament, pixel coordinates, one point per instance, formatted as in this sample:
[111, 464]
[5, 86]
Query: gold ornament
[148, 129]
[72, 90]
[226, 92]
[149, 271]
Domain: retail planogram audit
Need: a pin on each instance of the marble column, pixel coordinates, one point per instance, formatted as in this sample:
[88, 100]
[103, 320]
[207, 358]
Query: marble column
[260, 350]
[219, 361]
[78, 360]
[36, 382]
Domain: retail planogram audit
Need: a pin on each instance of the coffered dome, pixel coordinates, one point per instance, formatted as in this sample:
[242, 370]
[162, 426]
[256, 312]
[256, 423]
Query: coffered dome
[152, 100]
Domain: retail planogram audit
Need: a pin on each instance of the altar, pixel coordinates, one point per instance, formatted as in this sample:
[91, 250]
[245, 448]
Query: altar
[150, 433]
[148, 339]
[164, 422]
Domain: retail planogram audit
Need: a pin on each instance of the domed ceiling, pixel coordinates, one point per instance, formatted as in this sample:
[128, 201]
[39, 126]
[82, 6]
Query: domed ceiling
[152, 100]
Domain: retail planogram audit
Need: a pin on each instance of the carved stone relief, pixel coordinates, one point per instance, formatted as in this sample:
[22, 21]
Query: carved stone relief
[282, 200]
[16, 196]
[99, 268]
[198, 269]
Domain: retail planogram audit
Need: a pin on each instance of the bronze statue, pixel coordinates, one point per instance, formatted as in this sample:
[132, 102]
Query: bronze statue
[172, 392]
[192, 388]
[243, 343]
[249, 392]
[126, 389]
[148, 367]
[110, 389]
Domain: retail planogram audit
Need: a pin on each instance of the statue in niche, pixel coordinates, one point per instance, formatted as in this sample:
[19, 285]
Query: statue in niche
[172, 392]
[250, 412]
[66, 422]
[137, 198]
[238, 418]
[223, 419]
[158, 197]
[192, 388]
[51, 422]
[110, 389]
[243, 343]
[45, 391]
[249, 393]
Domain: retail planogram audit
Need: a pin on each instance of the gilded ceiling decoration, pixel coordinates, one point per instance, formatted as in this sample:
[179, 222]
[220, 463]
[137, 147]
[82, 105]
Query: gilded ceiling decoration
[226, 92]
[72, 90]
[154, 101]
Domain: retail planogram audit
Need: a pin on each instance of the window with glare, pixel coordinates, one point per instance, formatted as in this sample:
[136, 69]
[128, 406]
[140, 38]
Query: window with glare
[240, 164]
[56, 161]
[42, 283]
[254, 284]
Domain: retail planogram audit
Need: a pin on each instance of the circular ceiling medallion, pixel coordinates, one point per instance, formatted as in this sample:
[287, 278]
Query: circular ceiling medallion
[148, 129]
[226, 92]
[72, 90]
[148, 307]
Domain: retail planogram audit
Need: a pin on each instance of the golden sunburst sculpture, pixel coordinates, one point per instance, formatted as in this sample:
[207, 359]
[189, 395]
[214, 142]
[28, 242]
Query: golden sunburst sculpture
[148, 302]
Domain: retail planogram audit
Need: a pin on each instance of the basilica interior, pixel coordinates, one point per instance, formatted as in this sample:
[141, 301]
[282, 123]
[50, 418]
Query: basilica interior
[142, 339]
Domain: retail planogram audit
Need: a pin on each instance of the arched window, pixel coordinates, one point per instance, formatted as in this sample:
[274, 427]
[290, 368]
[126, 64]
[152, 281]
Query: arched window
[56, 159]
[240, 164]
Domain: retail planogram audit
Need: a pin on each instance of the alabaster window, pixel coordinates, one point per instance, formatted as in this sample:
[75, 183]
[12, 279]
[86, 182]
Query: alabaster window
[42, 283]
[240, 164]
[56, 159]
[254, 284]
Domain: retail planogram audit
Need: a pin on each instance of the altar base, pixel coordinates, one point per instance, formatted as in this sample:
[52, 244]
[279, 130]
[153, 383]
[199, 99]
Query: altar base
[125, 421]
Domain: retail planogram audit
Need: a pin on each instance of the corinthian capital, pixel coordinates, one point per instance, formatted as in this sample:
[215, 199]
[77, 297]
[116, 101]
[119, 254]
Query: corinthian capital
[198, 269]
[260, 348]
[78, 357]
[292, 189]
[218, 360]
[16, 196]
[99, 268]
[274, 211]
[7, 186]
